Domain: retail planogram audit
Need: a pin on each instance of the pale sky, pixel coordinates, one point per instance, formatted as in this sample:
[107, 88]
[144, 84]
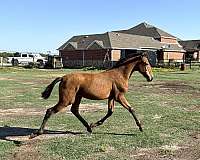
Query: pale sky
[44, 25]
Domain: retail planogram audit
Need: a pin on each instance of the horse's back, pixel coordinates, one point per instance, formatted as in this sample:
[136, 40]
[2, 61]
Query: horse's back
[89, 85]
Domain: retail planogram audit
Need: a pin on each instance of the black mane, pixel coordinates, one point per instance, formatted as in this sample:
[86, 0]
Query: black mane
[123, 61]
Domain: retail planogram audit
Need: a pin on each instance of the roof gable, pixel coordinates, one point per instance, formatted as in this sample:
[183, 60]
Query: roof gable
[83, 41]
[70, 46]
[145, 29]
[96, 45]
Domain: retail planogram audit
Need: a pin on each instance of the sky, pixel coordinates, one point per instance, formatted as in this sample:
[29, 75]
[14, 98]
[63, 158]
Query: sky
[44, 25]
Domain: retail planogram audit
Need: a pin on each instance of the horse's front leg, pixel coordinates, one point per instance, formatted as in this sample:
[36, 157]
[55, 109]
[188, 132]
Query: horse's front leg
[122, 100]
[111, 105]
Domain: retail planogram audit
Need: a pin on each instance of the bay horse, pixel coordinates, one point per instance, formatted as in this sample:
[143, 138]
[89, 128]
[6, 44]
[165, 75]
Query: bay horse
[110, 84]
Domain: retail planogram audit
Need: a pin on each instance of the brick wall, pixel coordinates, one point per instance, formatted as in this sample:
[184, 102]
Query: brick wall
[173, 56]
[168, 40]
[78, 58]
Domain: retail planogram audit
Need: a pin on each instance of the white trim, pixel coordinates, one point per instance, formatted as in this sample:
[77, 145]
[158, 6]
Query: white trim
[169, 37]
[150, 48]
[169, 43]
[126, 48]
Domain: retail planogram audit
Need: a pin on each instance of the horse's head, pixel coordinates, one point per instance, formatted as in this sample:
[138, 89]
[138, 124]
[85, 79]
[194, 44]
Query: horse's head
[144, 67]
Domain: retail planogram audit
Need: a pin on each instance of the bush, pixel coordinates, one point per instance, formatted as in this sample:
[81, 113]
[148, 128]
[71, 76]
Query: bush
[5, 54]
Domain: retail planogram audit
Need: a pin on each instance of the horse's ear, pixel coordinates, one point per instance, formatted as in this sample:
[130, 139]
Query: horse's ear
[144, 54]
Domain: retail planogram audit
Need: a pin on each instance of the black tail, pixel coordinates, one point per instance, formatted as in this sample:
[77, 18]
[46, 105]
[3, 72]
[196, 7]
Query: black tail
[47, 92]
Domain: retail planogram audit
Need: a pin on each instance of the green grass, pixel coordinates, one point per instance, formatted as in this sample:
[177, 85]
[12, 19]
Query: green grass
[168, 108]
[5, 148]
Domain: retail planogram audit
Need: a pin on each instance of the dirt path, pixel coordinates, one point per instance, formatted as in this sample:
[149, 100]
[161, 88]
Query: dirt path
[41, 111]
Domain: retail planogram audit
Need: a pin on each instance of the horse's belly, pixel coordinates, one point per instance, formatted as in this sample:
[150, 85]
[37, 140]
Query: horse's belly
[97, 92]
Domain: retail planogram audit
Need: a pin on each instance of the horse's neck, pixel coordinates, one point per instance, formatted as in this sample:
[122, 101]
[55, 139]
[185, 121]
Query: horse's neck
[127, 69]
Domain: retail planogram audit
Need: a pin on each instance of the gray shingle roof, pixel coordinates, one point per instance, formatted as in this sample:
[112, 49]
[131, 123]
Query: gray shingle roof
[112, 40]
[191, 45]
[83, 41]
[123, 40]
[145, 29]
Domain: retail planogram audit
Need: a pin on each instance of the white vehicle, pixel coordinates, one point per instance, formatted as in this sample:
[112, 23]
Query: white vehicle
[26, 58]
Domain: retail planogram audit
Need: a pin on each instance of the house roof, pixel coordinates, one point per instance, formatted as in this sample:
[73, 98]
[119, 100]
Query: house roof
[146, 29]
[191, 45]
[83, 41]
[111, 40]
[122, 40]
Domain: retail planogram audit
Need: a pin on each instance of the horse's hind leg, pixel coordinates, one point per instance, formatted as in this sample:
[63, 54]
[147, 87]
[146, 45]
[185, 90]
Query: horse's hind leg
[48, 114]
[122, 100]
[75, 111]
[109, 113]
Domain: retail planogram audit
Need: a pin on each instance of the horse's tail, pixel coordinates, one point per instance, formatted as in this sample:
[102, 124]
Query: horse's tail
[47, 92]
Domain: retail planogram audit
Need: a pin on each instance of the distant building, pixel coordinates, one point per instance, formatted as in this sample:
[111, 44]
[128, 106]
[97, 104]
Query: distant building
[107, 48]
[192, 48]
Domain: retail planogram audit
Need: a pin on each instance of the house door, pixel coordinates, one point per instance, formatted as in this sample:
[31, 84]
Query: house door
[152, 58]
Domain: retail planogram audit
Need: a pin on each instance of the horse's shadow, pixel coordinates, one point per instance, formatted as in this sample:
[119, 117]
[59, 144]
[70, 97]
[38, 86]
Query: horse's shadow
[7, 132]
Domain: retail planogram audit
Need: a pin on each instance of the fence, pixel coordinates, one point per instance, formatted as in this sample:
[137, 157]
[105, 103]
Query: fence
[87, 63]
[177, 63]
[188, 64]
[1, 61]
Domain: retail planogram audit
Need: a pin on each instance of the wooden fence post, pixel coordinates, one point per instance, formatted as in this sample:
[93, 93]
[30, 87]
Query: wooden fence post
[1, 61]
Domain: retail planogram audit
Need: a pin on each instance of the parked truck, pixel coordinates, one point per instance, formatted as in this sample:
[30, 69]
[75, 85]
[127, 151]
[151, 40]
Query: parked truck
[26, 58]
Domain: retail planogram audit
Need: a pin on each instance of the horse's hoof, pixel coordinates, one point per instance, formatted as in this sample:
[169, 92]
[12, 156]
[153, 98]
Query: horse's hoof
[89, 130]
[33, 135]
[140, 128]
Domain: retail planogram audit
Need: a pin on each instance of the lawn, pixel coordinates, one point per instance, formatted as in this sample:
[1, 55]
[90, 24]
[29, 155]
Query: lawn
[168, 107]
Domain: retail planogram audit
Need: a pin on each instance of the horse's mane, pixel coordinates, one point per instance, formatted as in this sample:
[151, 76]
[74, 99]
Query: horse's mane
[124, 61]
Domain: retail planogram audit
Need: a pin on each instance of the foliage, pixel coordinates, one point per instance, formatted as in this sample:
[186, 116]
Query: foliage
[5, 54]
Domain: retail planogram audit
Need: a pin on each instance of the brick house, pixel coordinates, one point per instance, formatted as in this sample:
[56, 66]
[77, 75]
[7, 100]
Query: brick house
[105, 49]
[192, 48]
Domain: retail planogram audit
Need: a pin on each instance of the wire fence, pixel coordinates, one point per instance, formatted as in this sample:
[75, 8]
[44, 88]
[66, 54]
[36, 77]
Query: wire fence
[177, 63]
